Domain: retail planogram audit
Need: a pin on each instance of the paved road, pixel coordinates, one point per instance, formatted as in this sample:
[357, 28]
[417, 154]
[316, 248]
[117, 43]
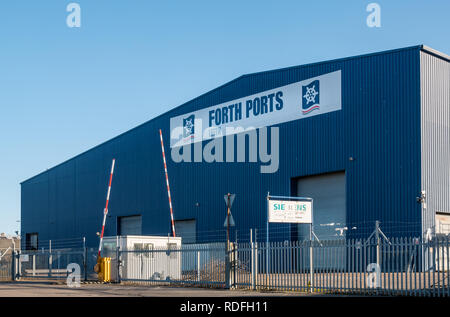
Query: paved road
[51, 289]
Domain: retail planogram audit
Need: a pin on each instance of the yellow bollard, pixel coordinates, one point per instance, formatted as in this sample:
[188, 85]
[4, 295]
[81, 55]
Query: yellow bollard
[103, 269]
[106, 270]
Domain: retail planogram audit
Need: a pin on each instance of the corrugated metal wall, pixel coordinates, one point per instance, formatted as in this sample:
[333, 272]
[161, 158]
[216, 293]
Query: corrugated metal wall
[435, 136]
[378, 126]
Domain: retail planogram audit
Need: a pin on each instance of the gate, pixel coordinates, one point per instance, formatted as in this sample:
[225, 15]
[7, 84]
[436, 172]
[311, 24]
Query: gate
[398, 267]
[6, 267]
[50, 264]
[192, 264]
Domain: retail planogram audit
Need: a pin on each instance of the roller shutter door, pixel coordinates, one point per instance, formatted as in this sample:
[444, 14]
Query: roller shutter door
[186, 229]
[328, 192]
[131, 225]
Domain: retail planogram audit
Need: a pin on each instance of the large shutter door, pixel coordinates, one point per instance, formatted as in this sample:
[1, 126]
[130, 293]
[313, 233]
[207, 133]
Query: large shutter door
[131, 225]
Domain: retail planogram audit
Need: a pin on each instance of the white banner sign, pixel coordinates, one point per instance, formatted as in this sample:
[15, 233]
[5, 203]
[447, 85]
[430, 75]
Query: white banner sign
[303, 99]
[287, 211]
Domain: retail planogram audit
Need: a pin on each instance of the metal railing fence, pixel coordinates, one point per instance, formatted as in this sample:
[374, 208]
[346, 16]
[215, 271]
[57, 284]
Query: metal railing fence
[197, 264]
[46, 264]
[400, 266]
[6, 267]
[395, 266]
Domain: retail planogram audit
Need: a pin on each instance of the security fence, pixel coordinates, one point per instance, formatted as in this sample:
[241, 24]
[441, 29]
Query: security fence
[46, 264]
[5, 266]
[195, 264]
[395, 267]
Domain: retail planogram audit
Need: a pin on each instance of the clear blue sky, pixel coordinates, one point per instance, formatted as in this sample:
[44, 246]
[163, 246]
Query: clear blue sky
[63, 90]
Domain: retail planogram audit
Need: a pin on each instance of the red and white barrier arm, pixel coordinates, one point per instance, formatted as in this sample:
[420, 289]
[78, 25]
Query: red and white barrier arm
[167, 182]
[105, 212]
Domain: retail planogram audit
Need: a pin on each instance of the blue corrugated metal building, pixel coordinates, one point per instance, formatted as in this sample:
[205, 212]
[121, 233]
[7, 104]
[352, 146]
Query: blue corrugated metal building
[383, 155]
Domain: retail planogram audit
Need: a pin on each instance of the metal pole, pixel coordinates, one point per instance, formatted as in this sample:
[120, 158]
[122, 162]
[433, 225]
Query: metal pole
[118, 262]
[85, 258]
[267, 233]
[252, 259]
[167, 183]
[19, 265]
[233, 258]
[50, 259]
[13, 266]
[228, 221]
[256, 261]
[311, 268]
[105, 212]
[312, 255]
[377, 236]
[227, 248]
[198, 266]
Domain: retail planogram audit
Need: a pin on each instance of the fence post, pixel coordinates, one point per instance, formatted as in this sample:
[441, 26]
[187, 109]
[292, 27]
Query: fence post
[50, 259]
[198, 265]
[311, 260]
[34, 264]
[252, 244]
[232, 264]
[377, 235]
[256, 263]
[256, 254]
[227, 265]
[13, 266]
[118, 263]
[19, 265]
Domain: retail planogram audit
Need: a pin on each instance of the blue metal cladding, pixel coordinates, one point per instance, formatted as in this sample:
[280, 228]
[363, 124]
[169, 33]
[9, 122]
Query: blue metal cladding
[378, 126]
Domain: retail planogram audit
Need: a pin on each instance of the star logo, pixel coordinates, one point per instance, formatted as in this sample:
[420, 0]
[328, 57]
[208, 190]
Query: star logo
[188, 126]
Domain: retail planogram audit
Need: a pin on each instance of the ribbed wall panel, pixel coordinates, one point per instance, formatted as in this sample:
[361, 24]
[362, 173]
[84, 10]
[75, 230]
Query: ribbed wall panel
[435, 136]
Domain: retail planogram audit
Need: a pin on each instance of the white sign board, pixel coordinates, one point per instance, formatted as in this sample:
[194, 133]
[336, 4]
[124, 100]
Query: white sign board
[299, 100]
[287, 211]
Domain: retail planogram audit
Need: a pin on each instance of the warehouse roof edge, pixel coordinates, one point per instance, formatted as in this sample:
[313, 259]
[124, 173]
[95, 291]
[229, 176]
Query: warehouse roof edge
[420, 47]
